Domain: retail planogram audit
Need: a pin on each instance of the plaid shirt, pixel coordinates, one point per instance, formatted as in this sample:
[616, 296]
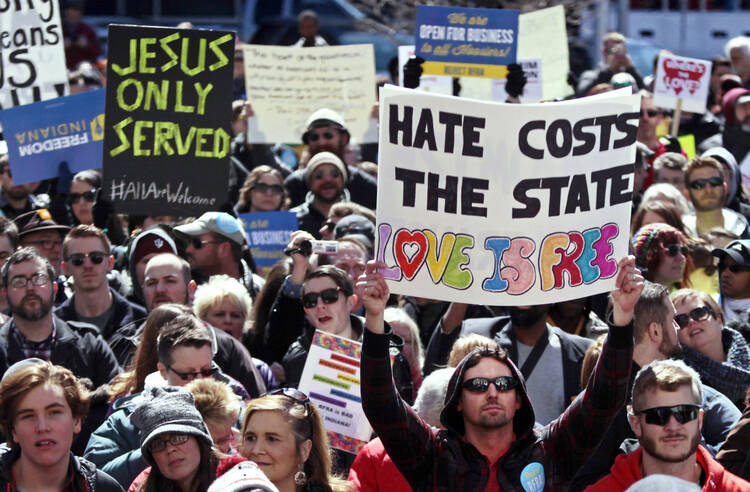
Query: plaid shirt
[41, 350]
[442, 460]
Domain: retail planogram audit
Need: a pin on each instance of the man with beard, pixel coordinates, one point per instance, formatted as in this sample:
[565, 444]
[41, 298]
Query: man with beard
[327, 132]
[549, 358]
[655, 334]
[17, 199]
[708, 190]
[667, 418]
[325, 176]
[33, 331]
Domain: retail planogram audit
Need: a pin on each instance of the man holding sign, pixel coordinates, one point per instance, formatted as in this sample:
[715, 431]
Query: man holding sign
[488, 417]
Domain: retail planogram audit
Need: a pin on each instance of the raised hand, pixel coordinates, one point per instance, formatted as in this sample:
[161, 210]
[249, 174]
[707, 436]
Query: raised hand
[629, 285]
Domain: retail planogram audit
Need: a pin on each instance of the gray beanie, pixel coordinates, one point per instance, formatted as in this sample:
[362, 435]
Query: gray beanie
[324, 158]
[167, 410]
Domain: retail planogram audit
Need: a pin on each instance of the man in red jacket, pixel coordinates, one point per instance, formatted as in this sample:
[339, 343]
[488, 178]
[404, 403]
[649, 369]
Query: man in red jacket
[666, 417]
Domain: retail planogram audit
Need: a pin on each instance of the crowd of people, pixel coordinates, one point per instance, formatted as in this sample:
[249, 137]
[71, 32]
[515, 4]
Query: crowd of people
[150, 353]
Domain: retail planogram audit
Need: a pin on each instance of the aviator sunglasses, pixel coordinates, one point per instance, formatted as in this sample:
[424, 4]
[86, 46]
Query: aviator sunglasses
[661, 415]
[265, 188]
[328, 296]
[480, 385]
[96, 258]
[698, 314]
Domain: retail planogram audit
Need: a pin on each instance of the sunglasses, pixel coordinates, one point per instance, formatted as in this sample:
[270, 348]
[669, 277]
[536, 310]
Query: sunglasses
[661, 415]
[652, 113]
[480, 385]
[314, 137]
[333, 174]
[699, 184]
[295, 395]
[189, 376]
[673, 249]
[96, 257]
[89, 196]
[698, 314]
[198, 243]
[158, 445]
[328, 296]
[265, 188]
[734, 268]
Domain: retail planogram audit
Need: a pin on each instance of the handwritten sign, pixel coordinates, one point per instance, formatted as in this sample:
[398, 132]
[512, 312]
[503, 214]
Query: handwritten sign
[542, 34]
[268, 233]
[504, 204]
[32, 58]
[331, 379]
[462, 42]
[684, 78]
[42, 135]
[286, 85]
[167, 132]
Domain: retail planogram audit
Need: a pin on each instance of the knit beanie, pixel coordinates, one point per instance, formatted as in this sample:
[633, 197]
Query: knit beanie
[167, 410]
[323, 158]
[644, 237]
[243, 476]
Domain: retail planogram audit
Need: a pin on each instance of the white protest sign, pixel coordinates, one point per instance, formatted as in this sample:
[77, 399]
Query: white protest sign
[439, 84]
[331, 380]
[532, 91]
[684, 78]
[504, 204]
[285, 85]
[32, 57]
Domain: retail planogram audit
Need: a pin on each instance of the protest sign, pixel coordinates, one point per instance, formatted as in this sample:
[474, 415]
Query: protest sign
[504, 204]
[42, 135]
[331, 379]
[32, 58]
[169, 110]
[463, 42]
[286, 85]
[268, 234]
[532, 91]
[686, 79]
[439, 84]
[542, 34]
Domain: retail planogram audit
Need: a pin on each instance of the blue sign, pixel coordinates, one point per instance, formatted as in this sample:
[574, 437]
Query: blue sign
[463, 42]
[42, 135]
[268, 234]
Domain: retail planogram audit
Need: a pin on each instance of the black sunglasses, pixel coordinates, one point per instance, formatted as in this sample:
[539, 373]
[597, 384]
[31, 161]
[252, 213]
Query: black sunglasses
[198, 243]
[734, 268]
[189, 376]
[265, 188]
[480, 385]
[699, 184]
[673, 249]
[328, 296]
[698, 314]
[314, 137]
[333, 174]
[295, 395]
[89, 196]
[652, 113]
[661, 415]
[96, 258]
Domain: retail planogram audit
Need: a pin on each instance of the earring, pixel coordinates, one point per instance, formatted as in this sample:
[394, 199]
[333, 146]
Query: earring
[300, 478]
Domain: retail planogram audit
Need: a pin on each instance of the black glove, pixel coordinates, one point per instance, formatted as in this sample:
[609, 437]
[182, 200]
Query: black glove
[412, 72]
[64, 178]
[516, 80]
[671, 144]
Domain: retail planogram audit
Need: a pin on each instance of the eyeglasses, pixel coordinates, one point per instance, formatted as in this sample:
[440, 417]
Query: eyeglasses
[652, 113]
[698, 314]
[96, 258]
[199, 243]
[314, 137]
[673, 249]
[480, 385]
[21, 281]
[159, 445]
[328, 296]
[45, 243]
[332, 174]
[699, 184]
[189, 376]
[89, 196]
[734, 268]
[295, 395]
[661, 415]
[266, 188]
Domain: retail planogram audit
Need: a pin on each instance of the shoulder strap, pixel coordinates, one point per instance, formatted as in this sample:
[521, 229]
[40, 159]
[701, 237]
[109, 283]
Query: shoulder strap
[536, 353]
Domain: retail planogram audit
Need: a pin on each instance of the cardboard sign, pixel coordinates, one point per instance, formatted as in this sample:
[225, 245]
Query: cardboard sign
[169, 111]
[504, 204]
[684, 78]
[331, 380]
[42, 135]
[532, 91]
[462, 42]
[268, 234]
[286, 85]
[32, 57]
[542, 34]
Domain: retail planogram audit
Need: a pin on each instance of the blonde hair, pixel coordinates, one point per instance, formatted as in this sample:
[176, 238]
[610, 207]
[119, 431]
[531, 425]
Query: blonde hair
[215, 401]
[466, 344]
[398, 315]
[220, 287]
[666, 375]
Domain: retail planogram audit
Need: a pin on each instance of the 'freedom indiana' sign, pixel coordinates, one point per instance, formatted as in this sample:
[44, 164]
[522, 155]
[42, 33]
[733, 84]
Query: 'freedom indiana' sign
[168, 117]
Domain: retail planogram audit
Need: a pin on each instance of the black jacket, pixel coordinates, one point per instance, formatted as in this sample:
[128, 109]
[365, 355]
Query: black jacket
[86, 477]
[124, 312]
[499, 329]
[362, 187]
[78, 347]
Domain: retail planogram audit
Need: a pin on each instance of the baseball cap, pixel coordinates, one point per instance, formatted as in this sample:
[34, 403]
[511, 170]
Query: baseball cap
[220, 223]
[738, 250]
